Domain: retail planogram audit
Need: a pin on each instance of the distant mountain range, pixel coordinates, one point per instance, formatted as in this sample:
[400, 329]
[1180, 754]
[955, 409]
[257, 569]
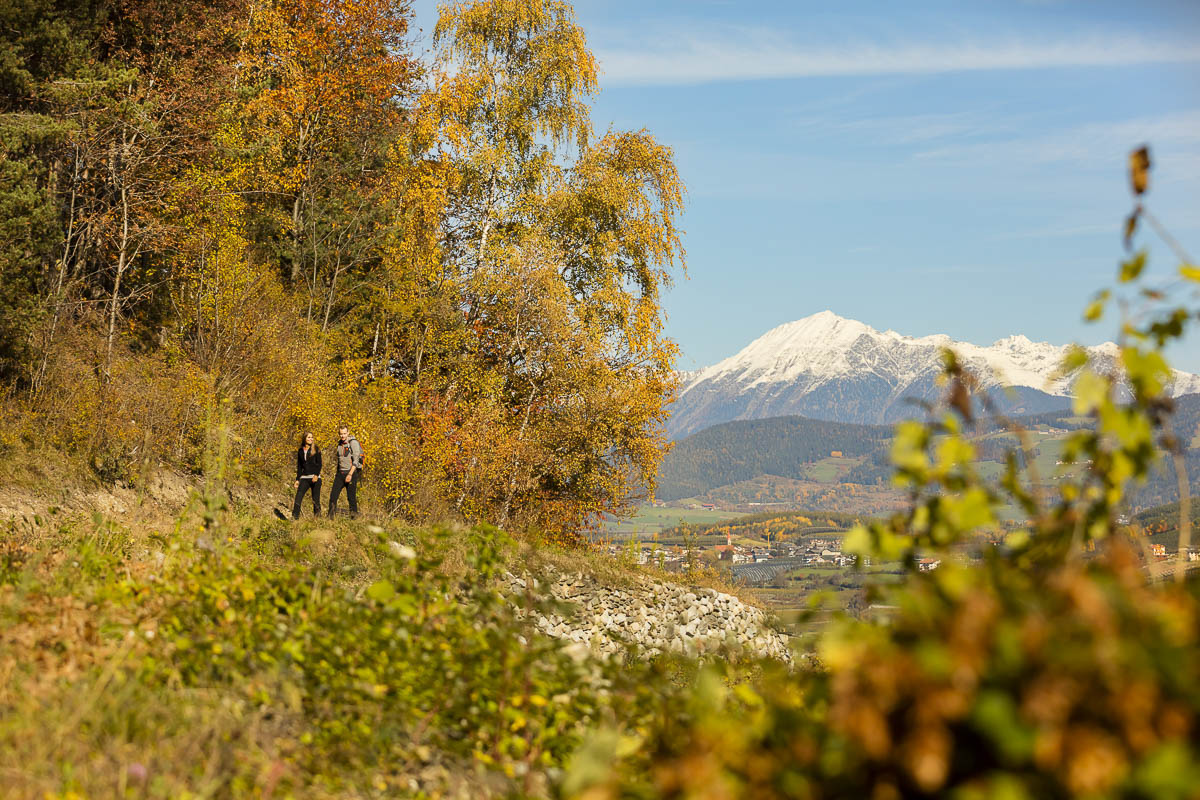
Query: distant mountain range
[832, 368]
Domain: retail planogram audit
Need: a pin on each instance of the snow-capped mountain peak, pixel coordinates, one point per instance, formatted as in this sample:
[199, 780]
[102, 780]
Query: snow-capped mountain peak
[829, 367]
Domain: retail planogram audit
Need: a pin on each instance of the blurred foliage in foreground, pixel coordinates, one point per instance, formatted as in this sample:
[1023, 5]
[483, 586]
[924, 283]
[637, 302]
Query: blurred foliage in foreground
[991, 682]
[1050, 661]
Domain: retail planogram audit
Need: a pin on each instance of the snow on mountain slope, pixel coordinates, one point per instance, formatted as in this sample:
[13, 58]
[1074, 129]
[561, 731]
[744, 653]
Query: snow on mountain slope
[828, 367]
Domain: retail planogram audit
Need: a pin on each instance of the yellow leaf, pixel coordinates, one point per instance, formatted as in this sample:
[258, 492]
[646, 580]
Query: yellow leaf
[1139, 170]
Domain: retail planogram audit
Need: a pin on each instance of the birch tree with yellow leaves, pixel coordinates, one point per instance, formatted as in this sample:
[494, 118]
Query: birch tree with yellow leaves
[560, 244]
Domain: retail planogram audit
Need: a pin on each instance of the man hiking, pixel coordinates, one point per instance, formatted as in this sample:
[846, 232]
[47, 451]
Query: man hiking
[349, 465]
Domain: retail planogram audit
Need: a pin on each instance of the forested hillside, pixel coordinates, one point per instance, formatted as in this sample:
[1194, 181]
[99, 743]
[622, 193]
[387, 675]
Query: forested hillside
[270, 214]
[1162, 486]
[783, 446]
[798, 448]
[774, 525]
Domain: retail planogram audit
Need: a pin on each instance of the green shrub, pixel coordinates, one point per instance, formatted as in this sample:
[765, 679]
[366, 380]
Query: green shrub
[376, 673]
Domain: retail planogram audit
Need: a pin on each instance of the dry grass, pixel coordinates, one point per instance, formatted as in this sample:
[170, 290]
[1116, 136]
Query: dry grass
[75, 722]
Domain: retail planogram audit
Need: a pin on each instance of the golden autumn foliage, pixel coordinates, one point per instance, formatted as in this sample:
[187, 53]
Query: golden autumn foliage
[307, 226]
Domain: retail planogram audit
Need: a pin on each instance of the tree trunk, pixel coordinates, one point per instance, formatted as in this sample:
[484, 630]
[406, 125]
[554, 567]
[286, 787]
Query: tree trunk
[36, 384]
[297, 205]
[512, 481]
[123, 259]
[329, 300]
[296, 238]
[487, 221]
[374, 350]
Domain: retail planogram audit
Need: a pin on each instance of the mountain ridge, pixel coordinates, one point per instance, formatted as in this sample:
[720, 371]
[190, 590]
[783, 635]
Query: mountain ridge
[825, 366]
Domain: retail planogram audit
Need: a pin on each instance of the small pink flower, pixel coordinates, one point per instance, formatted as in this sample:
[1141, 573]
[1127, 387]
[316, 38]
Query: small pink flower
[138, 771]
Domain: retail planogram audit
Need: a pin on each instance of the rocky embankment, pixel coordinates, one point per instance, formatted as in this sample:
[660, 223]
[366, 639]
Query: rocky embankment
[653, 616]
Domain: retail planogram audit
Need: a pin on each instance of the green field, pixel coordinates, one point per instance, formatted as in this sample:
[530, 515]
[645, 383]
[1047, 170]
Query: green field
[650, 520]
[1048, 449]
[990, 470]
[831, 470]
[808, 595]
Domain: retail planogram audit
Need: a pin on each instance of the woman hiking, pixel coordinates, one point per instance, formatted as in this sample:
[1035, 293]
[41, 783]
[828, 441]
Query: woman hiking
[308, 475]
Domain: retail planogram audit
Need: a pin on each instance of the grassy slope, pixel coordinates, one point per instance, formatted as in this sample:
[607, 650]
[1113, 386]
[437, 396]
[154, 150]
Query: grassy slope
[143, 652]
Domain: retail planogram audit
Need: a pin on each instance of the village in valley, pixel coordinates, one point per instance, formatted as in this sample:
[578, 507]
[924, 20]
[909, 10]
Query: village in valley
[793, 560]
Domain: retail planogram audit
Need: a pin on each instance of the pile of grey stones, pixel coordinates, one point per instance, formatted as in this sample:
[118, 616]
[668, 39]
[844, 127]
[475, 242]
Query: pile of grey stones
[652, 616]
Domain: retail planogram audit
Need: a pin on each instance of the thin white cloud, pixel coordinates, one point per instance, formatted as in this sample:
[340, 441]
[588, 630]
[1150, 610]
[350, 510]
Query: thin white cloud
[755, 54]
[1065, 230]
[1096, 143]
[1062, 231]
[920, 129]
[954, 269]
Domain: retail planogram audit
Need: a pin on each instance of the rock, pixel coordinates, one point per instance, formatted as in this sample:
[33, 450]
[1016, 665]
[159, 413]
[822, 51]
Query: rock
[402, 551]
[652, 616]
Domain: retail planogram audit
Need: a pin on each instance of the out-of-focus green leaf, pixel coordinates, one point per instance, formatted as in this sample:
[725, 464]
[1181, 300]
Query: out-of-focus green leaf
[1091, 390]
[1147, 370]
[1095, 309]
[1168, 773]
[857, 541]
[1131, 269]
[995, 715]
[381, 591]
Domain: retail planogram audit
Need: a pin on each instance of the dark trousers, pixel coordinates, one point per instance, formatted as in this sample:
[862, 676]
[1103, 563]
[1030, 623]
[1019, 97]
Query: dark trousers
[351, 487]
[307, 484]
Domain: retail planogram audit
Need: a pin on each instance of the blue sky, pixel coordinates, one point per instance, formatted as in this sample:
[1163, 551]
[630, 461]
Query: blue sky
[929, 167]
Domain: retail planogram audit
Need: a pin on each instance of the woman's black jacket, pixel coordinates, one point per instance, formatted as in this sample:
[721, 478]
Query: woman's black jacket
[310, 465]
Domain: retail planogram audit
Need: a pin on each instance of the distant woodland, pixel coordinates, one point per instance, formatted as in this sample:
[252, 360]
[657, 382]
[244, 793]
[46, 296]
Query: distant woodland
[783, 446]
